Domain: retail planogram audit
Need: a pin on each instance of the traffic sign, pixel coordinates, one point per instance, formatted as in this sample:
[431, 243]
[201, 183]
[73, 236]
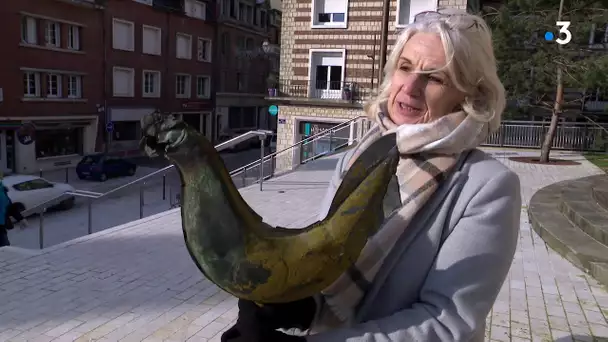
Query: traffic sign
[273, 110]
[109, 127]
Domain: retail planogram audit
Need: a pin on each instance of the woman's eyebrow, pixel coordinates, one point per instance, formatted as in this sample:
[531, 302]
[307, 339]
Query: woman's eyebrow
[430, 68]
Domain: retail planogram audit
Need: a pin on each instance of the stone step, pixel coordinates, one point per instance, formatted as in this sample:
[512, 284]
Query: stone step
[600, 272]
[561, 235]
[578, 205]
[601, 197]
[599, 190]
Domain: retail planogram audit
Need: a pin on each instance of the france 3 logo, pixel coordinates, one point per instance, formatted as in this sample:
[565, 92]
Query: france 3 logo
[563, 32]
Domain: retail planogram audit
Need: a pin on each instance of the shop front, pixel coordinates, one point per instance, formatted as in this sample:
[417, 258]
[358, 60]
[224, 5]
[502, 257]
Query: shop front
[126, 129]
[28, 146]
[201, 121]
[322, 145]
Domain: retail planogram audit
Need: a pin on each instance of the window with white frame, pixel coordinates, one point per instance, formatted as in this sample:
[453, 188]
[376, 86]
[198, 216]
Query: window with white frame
[242, 12]
[122, 82]
[329, 13]
[195, 9]
[29, 30]
[151, 40]
[240, 43]
[241, 81]
[151, 83]
[234, 9]
[182, 86]
[249, 14]
[225, 43]
[73, 37]
[31, 84]
[203, 51]
[52, 34]
[53, 85]
[249, 44]
[225, 7]
[326, 73]
[183, 47]
[203, 84]
[123, 35]
[74, 86]
[263, 18]
[407, 9]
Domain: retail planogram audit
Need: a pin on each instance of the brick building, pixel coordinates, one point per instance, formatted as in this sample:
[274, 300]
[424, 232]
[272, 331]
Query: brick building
[159, 57]
[71, 66]
[49, 76]
[329, 61]
[246, 54]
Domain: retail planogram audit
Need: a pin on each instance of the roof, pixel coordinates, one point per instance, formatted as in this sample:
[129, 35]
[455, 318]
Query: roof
[16, 179]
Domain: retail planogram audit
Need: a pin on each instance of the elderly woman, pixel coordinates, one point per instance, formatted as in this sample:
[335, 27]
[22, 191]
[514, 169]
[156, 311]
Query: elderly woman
[433, 271]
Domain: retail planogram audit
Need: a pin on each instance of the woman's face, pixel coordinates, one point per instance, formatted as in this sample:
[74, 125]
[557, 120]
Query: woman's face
[422, 98]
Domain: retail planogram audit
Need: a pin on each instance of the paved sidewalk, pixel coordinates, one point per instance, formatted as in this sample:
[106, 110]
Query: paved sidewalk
[136, 282]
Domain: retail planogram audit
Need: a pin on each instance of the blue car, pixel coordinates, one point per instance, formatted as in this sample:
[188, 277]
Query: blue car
[101, 167]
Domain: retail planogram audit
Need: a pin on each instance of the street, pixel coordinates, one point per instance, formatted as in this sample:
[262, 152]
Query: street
[120, 207]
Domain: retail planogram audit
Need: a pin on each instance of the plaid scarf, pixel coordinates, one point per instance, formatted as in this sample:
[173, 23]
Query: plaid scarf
[429, 152]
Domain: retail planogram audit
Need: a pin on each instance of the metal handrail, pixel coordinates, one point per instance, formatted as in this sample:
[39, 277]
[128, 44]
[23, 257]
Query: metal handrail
[91, 196]
[302, 142]
[226, 144]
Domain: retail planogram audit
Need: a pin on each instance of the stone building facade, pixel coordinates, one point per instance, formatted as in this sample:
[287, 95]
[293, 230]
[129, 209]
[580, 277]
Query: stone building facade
[329, 63]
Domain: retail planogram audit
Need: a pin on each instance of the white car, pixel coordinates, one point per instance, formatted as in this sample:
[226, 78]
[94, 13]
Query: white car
[27, 192]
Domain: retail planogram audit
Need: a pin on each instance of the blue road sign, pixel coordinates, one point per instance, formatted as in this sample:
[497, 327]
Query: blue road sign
[109, 126]
[273, 110]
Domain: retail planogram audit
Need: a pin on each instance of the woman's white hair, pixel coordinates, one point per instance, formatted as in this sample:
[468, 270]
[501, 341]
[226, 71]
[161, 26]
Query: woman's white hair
[471, 64]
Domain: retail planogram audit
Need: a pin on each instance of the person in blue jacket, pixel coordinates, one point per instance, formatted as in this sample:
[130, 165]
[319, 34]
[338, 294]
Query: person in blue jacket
[8, 210]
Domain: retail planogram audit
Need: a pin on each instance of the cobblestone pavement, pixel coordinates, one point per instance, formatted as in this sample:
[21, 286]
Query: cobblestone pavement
[136, 282]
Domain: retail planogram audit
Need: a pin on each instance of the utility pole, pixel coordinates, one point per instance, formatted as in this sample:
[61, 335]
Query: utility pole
[384, 39]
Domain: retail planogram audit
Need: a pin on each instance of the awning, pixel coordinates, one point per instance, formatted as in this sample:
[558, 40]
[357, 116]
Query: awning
[60, 124]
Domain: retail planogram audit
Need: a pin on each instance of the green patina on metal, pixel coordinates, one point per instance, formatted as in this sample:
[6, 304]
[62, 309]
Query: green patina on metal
[248, 258]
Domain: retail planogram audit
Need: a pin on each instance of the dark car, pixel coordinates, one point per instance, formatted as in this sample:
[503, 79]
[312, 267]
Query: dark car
[101, 167]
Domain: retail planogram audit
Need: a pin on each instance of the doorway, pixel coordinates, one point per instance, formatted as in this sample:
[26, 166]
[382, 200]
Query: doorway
[7, 151]
[321, 145]
[199, 121]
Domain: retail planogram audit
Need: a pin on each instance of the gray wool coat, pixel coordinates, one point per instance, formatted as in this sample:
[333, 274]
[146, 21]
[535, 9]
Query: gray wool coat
[441, 279]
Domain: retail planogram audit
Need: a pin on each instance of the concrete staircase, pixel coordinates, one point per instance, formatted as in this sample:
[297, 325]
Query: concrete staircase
[572, 217]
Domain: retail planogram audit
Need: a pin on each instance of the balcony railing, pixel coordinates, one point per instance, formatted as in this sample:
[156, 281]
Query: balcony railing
[323, 90]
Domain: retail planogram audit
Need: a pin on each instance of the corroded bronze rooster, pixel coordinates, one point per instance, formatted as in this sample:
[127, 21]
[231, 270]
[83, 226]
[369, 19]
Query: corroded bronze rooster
[245, 256]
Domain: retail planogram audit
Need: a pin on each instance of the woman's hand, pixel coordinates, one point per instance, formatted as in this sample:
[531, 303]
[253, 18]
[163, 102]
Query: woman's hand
[248, 333]
[259, 323]
[298, 314]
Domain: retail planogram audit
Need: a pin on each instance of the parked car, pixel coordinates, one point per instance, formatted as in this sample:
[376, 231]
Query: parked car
[27, 192]
[102, 166]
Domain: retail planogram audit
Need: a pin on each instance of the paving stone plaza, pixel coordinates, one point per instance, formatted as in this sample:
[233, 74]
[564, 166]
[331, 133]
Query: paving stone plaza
[136, 282]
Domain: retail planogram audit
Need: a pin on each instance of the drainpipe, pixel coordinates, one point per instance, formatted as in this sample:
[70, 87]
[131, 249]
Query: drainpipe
[167, 79]
[104, 80]
[215, 76]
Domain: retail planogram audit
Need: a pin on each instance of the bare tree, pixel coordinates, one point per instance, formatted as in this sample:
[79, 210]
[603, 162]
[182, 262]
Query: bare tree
[534, 67]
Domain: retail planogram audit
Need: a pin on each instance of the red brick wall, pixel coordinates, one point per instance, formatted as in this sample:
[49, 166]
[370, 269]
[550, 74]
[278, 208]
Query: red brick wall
[167, 64]
[255, 70]
[15, 57]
